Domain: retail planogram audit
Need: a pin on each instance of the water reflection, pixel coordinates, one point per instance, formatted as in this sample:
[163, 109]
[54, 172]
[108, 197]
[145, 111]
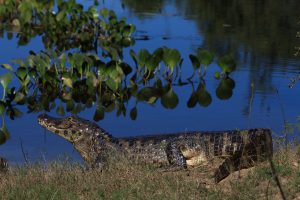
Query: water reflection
[261, 35]
[144, 7]
[264, 28]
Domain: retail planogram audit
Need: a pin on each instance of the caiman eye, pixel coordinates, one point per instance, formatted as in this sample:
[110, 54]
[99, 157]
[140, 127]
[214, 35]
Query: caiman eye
[69, 118]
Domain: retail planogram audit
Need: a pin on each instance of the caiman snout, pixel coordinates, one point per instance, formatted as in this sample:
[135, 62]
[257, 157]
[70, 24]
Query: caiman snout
[41, 116]
[70, 128]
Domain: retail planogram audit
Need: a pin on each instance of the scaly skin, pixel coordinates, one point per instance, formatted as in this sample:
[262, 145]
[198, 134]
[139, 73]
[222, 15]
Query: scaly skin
[239, 149]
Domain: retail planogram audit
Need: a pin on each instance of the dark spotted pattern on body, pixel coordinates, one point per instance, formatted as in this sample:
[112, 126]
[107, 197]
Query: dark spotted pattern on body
[238, 148]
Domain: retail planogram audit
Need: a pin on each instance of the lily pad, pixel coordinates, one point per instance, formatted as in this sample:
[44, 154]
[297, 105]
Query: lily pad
[21, 73]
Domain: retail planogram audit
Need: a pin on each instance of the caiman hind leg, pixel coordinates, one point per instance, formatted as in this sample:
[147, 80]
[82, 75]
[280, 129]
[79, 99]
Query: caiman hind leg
[239, 160]
[175, 157]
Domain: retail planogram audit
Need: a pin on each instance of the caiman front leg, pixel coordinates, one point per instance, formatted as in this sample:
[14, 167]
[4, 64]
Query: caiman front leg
[175, 157]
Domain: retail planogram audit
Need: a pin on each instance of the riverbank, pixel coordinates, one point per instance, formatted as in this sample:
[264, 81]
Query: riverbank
[125, 180]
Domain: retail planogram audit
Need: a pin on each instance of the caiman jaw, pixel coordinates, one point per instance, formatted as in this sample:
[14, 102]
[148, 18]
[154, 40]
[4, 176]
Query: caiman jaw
[48, 122]
[62, 127]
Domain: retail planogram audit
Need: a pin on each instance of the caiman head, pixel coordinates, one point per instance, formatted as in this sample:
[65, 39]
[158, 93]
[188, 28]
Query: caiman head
[87, 137]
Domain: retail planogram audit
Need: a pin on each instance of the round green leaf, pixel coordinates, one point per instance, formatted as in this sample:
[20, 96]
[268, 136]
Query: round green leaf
[170, 99]
[204, 98]
[91, 80]
[99, 114]
[195, 61]
[21, 73]
[103, 25]
[152, 62]
[128, 30]
[127, 41]
[5, 131]
[143, 56]
[111, 13]
[60, 15]
[2, 137]
[227, 64]
[192, 100]
[112, 84]
[133, 113]
[5, 79]
[25, 9]
[158, 53]
[93, 12]
[171, 57]
[228, 82]
[205, 56]
[224, 90]
[104, 12]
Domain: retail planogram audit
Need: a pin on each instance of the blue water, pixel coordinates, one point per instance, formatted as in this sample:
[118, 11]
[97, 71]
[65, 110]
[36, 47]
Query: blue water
[273, 102]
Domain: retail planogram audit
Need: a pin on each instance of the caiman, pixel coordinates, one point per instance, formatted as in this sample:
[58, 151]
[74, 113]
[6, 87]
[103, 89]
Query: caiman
[239, 148]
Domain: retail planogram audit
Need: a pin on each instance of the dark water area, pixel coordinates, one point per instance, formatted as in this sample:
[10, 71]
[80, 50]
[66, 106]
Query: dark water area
[260, 34]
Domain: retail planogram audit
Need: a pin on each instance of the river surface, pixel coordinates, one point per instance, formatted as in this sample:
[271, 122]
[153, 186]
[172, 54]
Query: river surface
[261, 35]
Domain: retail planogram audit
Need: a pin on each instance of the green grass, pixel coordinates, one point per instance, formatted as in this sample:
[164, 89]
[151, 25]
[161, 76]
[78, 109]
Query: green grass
[125, 180]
